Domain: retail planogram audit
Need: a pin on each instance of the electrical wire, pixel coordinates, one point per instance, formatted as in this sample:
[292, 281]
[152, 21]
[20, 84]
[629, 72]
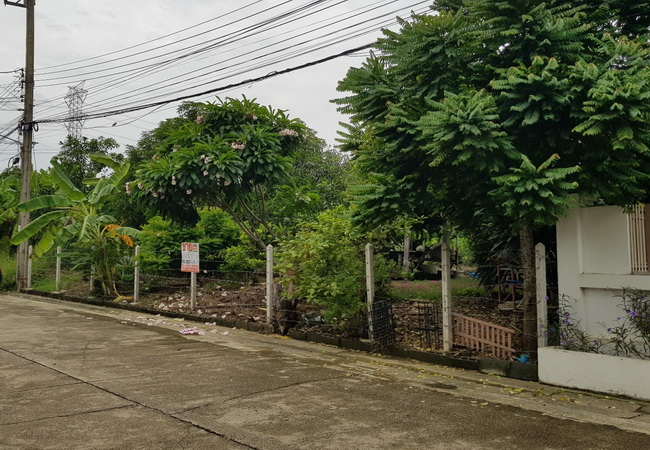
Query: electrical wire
[210, 91]
[179, 79]
[130, 93]
[44, 70]
[276, 18]
[156, 96]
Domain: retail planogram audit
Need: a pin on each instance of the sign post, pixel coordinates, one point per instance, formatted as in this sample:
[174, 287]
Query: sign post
[190, 263]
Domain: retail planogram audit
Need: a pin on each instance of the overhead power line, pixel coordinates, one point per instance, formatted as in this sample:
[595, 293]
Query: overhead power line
[210, 91]
[3, 136]
[247, 66]
[251, 64]
[202, 43]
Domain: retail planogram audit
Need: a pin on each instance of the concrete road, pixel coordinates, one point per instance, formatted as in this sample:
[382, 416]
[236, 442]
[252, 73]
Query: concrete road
[76, 376]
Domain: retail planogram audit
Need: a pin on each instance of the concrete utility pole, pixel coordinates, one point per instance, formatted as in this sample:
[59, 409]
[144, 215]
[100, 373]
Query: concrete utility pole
[27, 128]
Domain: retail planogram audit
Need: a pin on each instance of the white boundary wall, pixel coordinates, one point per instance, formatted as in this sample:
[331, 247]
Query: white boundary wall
[600, 373]
[594, 263]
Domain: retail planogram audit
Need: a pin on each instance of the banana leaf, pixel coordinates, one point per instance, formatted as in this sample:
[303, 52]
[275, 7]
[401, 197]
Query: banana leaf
[37, 225]
[64, 183]
[48, 237]
[45, 201]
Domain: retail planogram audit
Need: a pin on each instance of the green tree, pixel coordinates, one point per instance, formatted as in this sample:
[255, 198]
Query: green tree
[317, 181]
[231, 154]
[474, 134]
[74, 157]
[324, 263]
[41, 184]
[78, 218]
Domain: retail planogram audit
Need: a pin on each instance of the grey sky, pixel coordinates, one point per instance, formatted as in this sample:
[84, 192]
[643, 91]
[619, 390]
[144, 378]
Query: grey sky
[68, 31]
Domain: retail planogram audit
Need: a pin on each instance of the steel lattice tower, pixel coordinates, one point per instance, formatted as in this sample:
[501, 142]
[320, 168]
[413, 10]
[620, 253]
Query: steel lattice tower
[74, 99]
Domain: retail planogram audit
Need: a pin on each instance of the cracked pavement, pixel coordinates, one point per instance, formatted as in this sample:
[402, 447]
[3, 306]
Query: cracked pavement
[79, 376]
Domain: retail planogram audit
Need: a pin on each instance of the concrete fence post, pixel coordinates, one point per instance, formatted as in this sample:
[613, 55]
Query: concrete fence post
[447, 320]
[270, 286]
[406, 259]
[370, 288]
[30, 255]
[18, 280]
[92, 275]
[136, 275]
[57, 280]
[542, 299]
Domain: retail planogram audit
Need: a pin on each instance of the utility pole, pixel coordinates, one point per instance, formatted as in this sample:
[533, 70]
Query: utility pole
[27, 128]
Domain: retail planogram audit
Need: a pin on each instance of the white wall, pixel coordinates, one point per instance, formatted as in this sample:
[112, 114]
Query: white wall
[594, 263]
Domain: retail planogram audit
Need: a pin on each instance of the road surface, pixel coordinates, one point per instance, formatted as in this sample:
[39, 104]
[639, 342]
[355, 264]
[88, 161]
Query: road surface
[78, 376]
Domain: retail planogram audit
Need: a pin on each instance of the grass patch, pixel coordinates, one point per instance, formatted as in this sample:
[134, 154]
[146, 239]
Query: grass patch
[48, 284]
[431, 290]
[8, 268]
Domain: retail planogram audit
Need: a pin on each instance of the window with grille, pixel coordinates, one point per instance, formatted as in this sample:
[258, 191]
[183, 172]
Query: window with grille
[640, 237]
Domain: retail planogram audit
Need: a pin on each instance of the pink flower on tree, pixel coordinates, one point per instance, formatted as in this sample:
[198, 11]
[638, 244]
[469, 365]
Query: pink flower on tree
[288, 132]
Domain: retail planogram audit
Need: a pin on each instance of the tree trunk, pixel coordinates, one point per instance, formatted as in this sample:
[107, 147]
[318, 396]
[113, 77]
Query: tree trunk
[527, 247]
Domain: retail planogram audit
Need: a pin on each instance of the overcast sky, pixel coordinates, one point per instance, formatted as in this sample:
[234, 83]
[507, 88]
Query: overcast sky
[195, 45]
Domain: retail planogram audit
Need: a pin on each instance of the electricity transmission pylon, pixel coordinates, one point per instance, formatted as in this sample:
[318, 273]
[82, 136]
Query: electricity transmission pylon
[74, 99]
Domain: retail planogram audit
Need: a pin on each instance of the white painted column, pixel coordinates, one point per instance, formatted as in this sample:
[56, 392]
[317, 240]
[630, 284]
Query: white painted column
[447, 320]
[30, 255]
[136, 275]
[406, 260]
[370, 287]
[57, 282]
[270, 286]
[542, 300]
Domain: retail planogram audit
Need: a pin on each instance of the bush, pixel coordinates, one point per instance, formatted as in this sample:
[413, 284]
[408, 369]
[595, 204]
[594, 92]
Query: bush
[629, 336]
[161, 239]
[324, 263]
[7, 272]
[241, 259]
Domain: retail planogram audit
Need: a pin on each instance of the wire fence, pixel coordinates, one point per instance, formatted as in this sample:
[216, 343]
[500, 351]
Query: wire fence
[245, 288]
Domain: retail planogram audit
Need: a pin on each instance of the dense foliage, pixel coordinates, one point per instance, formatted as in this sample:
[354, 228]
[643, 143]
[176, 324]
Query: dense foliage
[78, 218]
[229, 154]
[520, 105]
[160, 239]
[75, 161]
[324, 263]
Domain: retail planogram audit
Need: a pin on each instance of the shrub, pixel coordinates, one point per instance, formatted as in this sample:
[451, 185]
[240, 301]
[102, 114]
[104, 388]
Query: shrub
[7, 272]
[324, 263]
[161, 239]
[629, 336]
[242, 259]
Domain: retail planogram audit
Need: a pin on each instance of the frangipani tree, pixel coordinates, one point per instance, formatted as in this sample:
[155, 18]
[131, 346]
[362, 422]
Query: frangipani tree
[231, 154]
[77, 218]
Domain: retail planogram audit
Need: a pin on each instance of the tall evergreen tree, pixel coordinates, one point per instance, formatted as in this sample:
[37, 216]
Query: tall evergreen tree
[507, 108]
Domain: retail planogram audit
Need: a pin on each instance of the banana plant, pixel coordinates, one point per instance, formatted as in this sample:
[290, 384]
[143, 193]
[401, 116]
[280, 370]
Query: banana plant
[76, 218]
[8, 214]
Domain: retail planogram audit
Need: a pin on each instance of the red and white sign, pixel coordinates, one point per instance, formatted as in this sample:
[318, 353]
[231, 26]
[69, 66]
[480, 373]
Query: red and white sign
[189, 257]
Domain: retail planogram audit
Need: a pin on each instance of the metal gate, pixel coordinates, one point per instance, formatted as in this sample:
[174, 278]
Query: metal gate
[429, 324]
[380, 324]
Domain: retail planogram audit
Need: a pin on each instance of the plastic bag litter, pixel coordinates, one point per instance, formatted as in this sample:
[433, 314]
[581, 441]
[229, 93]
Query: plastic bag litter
[189, 331]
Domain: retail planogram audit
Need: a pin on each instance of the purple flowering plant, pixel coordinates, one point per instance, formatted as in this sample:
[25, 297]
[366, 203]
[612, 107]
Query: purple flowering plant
[629, 336]
[564, 331]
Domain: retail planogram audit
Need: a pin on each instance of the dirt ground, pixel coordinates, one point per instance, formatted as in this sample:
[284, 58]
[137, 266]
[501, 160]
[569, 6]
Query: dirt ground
[247, 303]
